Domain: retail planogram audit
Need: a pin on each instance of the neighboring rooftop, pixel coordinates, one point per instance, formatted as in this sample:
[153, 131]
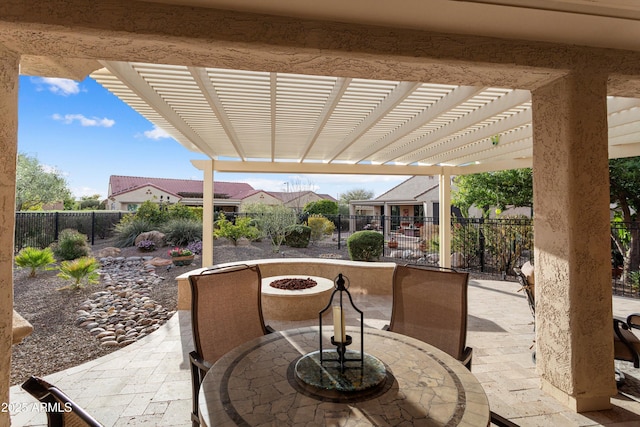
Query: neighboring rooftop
[119, 184]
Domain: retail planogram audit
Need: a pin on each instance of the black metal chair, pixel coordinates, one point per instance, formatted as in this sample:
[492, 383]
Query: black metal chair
[61, 410]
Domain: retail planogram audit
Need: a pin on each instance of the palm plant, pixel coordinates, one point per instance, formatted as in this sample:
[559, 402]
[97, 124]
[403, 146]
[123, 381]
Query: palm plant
[34, 259]
[79, 270]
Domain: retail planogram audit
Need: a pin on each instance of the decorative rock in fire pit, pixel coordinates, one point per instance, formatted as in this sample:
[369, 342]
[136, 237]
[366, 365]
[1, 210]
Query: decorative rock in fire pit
[293, 283]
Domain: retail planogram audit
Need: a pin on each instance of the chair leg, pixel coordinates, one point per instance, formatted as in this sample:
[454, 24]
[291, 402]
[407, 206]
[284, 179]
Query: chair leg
[500, 421]
[620, 378]
[195, 388]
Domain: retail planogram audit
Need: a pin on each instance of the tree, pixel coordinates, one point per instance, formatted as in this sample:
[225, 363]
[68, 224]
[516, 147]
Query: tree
[355, 194]
[90, 202]
[624, 188]
[499, 190]
[35, 185]
[273, 221]
[348, 196]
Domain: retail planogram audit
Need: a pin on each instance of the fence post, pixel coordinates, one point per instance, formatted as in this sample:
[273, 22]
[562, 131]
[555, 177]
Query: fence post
[339, 231]
[93, 227]
[481, 243]
[55, 228]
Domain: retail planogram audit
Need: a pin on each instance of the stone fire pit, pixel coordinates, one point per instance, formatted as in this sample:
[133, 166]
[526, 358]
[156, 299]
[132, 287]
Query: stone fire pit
[294, 304]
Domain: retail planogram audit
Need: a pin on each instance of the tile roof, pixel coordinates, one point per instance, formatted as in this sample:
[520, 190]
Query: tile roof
[119, 184]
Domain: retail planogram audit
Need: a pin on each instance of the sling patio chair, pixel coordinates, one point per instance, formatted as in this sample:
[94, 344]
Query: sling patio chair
[226, 311]
[61, 410]
[430, 304]
[626, 345]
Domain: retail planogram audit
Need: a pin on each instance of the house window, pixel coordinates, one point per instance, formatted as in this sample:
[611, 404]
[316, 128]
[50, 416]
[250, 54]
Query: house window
[132, 207]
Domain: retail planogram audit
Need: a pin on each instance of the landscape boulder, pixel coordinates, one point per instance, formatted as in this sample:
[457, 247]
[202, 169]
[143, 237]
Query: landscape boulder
[108, 252]
[155, 236]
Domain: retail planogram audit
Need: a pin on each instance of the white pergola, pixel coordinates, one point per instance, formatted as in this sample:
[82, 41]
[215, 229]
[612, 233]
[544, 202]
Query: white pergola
[252, 121]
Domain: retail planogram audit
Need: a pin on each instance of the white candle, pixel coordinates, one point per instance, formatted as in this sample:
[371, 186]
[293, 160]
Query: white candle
[339, 333]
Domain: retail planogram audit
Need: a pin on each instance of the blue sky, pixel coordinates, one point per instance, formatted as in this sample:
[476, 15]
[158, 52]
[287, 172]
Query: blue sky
[87, 134]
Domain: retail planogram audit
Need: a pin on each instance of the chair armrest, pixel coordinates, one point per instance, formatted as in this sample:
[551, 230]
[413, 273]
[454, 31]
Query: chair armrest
[199, 362]
[633, 320]
[618, 325]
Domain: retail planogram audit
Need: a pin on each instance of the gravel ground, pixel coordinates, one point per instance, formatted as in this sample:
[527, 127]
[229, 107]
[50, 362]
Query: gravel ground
[57, 344]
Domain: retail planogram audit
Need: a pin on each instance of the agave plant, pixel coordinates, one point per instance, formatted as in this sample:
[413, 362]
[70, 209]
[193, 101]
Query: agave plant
[79, 270]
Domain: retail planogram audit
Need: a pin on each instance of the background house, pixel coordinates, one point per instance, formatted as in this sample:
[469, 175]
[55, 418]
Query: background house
[409, 203]
[128, 192]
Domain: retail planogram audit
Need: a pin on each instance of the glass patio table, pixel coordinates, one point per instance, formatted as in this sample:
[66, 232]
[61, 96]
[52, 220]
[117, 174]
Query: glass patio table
[257, 384]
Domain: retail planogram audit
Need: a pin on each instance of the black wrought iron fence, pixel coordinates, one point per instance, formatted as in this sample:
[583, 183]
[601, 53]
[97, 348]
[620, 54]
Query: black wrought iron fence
[492, 246]
[40, 229]
[625, 258]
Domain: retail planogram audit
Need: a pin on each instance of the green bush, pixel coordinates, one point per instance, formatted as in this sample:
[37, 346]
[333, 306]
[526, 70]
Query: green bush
[321, 207]
[297, 236]
[320, 227]
[151, 212]
[34, 259]
[128, 229]
[83, 269]
[180, 211]
[182, 231]
[365, 245]
[71, 245]
[241, 228]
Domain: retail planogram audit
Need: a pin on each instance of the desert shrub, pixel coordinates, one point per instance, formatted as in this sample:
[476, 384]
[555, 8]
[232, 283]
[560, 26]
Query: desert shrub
[320, 227]
[321, 207]
[71, 244]
[128, 229]
[272, 221]
[180, 211]
[182, 231]
[365, 245]
[297, 236]
[634, 280]
[81, 270]
[241, 228]
[195, 247]
[146, 245]
[34, 259]
[151, 212]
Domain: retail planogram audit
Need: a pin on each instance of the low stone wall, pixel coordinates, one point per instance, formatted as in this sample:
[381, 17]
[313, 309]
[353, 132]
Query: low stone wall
[364, 277]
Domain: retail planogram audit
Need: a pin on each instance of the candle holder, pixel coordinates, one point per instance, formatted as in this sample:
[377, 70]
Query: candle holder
[340, 375]
[340, 339]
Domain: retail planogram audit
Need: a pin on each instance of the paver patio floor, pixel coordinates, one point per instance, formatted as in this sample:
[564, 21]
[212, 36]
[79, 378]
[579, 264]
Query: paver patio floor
[148, 383]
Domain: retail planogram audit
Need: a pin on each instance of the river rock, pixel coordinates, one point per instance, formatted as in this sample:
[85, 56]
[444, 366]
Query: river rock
[123, 312]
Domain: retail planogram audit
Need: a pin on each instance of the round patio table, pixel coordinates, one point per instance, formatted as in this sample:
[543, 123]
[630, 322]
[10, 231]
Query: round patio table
[255, 384]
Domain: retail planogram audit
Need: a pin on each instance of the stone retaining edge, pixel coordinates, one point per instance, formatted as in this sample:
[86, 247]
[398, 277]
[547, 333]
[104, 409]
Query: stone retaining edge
[365, 277]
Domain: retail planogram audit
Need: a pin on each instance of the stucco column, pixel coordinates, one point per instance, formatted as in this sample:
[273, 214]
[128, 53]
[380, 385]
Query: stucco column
[8, 156]
[572, 248]
[207, 215]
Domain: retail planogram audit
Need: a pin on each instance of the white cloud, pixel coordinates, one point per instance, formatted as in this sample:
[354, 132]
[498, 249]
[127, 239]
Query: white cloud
[156, 133]
[80, 192]
[64, 87]
[84, 121]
